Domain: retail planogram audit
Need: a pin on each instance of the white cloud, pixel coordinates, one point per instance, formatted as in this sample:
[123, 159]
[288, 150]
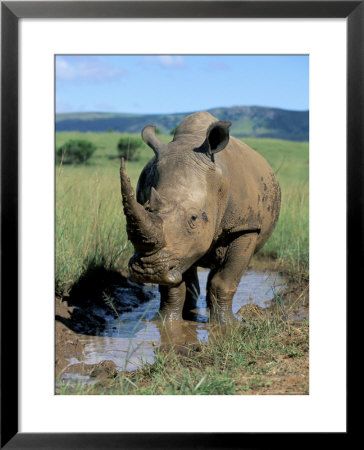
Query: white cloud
[167, 61]
[89, 68]
[64, 70]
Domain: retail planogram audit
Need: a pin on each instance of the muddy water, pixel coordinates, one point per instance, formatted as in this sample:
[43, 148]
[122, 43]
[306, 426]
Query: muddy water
[131, 339]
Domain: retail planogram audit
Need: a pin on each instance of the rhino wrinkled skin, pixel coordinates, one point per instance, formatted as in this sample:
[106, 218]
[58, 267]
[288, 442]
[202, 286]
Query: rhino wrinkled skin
[205, 200]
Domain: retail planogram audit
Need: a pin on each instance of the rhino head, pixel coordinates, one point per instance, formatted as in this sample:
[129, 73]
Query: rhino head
[173, 221]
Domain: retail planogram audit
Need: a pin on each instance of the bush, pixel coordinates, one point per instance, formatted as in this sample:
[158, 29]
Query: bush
[128, 147]
[75, 151]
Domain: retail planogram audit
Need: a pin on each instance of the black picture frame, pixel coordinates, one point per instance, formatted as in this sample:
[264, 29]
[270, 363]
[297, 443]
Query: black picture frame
[11, 12]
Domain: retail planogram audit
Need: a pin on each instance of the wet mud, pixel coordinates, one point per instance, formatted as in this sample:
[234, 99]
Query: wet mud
[108, 324]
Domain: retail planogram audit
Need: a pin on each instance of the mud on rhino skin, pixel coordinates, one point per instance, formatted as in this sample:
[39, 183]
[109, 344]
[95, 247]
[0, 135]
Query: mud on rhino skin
[207, 200]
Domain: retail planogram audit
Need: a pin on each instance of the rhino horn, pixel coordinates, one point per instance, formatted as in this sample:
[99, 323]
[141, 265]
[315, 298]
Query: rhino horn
[144, 228]
[156, 201]
[150, 138]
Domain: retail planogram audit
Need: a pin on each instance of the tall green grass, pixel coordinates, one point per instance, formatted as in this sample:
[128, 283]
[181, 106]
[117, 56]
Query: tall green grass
[289, 242]
[90, 225]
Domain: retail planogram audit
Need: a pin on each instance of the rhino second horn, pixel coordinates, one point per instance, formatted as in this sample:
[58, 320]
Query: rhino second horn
[150, 138]
[156, 201]
[145, 229]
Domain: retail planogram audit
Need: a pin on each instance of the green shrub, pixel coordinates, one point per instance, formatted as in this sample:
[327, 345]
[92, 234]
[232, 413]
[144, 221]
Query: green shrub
[75, 151]
[128, 147]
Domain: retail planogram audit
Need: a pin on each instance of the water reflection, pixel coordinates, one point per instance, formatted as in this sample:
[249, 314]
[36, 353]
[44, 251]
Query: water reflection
[131, 339]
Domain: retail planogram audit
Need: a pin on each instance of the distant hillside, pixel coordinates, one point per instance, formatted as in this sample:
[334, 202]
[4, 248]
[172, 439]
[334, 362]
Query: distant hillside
[248, 121]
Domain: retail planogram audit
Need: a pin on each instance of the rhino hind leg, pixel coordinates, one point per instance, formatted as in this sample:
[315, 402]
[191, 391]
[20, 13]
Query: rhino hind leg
[172, 301]
[224, 280]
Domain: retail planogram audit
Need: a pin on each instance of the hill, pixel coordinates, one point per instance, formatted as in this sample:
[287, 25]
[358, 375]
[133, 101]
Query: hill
[248, 121]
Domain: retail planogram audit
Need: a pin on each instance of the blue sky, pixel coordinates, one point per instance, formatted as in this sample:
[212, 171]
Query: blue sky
[179, 83]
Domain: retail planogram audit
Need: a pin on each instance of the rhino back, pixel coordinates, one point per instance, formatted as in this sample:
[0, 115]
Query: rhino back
[254, 193]
[194, 126]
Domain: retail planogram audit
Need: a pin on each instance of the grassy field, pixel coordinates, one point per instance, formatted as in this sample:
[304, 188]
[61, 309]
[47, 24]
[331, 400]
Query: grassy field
[289, 243]
[90, 226]
[267, 354]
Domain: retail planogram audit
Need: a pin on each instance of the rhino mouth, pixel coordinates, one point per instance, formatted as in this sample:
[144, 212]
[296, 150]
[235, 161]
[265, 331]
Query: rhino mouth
[159, 268]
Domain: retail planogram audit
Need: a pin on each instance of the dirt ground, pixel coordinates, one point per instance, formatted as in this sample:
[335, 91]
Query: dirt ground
[288, 373]
[68, 345]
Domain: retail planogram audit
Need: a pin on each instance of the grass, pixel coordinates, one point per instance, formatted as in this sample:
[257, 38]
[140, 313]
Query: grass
[90, 226]
[289, 243]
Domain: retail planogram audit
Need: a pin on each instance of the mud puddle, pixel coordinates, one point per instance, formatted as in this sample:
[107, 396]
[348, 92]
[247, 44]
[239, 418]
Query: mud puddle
[121, 332]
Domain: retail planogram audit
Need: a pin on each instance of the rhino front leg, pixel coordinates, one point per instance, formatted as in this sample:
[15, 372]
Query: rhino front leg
[223, 281]
[172, 301]
[192, 292]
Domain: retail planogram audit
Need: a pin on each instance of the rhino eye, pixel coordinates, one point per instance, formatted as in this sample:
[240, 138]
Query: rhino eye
[193, 220]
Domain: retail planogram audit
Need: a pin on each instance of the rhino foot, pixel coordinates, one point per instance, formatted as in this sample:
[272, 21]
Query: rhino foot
[222, 316]
[168, 316]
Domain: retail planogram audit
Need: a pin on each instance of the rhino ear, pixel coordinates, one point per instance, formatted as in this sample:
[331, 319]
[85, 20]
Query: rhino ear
[217, 138]
[150, 138]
